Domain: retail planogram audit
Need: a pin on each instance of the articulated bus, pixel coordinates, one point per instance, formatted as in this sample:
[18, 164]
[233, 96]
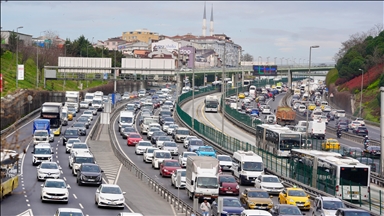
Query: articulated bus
[277, 140]
[52, 111]
[211, 104]
[9, 171]
[344, 177]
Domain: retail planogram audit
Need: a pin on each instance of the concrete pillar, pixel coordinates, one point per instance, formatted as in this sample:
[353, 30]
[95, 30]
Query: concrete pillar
[233, 80]
[382, 130]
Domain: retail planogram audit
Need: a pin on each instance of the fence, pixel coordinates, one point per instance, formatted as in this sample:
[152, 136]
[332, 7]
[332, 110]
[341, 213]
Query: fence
[274, 164]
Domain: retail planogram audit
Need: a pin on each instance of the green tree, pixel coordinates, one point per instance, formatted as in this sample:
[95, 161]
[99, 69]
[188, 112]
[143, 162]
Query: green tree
[12, 40]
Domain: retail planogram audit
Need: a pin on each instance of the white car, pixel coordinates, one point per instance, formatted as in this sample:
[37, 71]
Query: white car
[161, 139]
[182, 174]
[69, 143]
[171, 147]
[142, 146]
[69, 211]
[186, 140]
[327, 109]
[266, 110]
[81, 146]
[302, 108]
[109, 195]
[269, 183]
[54, 190]
[159, 156]
[88, 113]
[361, 120]
[171, 128]
[48, 170]
[183, 158]
[84, 105]
[148, 154]
[324, 119]
[166, 125]
[225, 162]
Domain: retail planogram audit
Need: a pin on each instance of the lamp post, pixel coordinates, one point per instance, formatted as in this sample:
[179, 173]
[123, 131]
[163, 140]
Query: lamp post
[258, 59]
[287, 61]
[293, 62]
[223, 92]
[37, 62]
[193, 88]
[275, 60]
[309, 73]
[281, 61]
[361, 91]
[17, 56]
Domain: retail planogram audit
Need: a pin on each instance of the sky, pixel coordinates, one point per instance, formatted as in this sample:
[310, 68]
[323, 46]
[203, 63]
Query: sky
[281, 29]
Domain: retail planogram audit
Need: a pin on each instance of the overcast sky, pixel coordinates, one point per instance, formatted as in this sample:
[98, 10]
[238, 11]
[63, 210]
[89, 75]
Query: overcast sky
[275, 29]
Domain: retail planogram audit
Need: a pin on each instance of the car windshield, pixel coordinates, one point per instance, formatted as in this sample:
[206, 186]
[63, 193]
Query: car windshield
[81, 160]
[111, 190]
[224, 158]
[229, 179]
[144, 144]
[270, 179]
[42, 151]
[55, 184]
[71, 141]
[206, 149]
[90, 168]
[296, 193]
[126, 119]
[253, 166]
[41, 133]
[70, 214]
[289, 210]
[164, 138]
[150, 150]
[70, 132]
[129, 129]
[88, 113]
[163, 155]
[231, 203]
[258, 194]
[182, 132]
[356, 213]
[136, 136]
[80, 146]
[78, 125]
[170, 144]
[171, 163]
[153, 129]
[333, 205]
[83, 119]
[48, 166]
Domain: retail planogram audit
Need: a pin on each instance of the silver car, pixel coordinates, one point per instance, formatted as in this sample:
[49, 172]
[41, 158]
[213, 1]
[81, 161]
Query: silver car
[148, 154]
[171, 147]
[48, 170]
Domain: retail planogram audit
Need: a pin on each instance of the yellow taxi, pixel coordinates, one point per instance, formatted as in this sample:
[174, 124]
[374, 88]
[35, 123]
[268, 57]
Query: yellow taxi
[330, 144]
[241, 95]
[70, 117]
[295, 196]
[312, 106]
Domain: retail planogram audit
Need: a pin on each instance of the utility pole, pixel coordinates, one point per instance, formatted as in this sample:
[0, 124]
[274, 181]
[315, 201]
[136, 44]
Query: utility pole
[17, 56]
[114, 75]
[37, 65]
[382, 131]
[193, 87]
[223, 84]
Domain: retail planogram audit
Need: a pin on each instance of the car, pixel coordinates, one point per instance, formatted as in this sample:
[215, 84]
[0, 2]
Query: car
[170, 146]
[185, 69]
[80, 126]
[285, 210]
[231, 206]
[84, 105]
[323, 205]
[186, 140]
[79, 157]
[225, 162]
[141, 146]
[361, 120]
[166, 125]
[302, 108]
[125, 96]
[241, 95]
[79, 147]
[159, 156]
[353, 125]
[161, 139]
[343, 126]
[89, 173]
[69, 143]
[183, 158]
[41, 152]
[206, 151]
[89, 114]
[254, 198]
[69, 211]
[152, 130]
[330, 144]
[351, 211]
[85, 120]
[93, 109]
[228, 185]
[269, 183]
[361, 131]
[295, 196]
[109, 195]
[311, 107]
[182, 174]
[148, 154]
[249, 212]
[72, 110]
[167, 167]
[194, 144]
[324, 119]
[48, 170]
[70, 133]
[354, 152]
[125, 131]
[327, 109]
[171, 128]
[374, 151]
[156, 135]
[133, 139]
[54, 190]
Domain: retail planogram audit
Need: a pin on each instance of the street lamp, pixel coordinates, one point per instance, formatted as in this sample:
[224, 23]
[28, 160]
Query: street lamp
[268, 60]
[17, 56]
[281, 61]
[361, 91]
[293, 62]
[275, 60]
[309, 73]
[258, 59]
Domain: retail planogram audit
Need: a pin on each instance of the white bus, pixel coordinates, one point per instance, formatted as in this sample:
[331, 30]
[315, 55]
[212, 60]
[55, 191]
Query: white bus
[211, 104]
[344, 177]
[246, 82]
[278, 140]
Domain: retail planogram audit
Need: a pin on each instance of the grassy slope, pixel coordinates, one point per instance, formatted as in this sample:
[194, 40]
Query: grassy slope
[8, 70]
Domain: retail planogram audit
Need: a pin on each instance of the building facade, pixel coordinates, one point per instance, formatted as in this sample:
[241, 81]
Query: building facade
[142, 35]
[24, 39]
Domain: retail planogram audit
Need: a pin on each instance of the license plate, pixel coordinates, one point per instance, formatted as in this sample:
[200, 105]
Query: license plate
[91, 179]
[300, 205]
[229, 192]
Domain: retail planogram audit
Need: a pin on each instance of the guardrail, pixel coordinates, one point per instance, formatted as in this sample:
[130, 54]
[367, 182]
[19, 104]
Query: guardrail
[227, 145]
[18, 122]
[171, 198]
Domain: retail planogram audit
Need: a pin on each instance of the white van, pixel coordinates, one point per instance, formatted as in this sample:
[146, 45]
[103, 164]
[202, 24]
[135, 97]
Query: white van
[89, 98]
[185, 90]
[316, 129]
[252, 91]
[340, 114]
[247, 166]
[126, 118]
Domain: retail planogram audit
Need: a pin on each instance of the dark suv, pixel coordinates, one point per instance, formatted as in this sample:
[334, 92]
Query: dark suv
[70, 133]
[351, 212]
[361, 131]
[89, 173]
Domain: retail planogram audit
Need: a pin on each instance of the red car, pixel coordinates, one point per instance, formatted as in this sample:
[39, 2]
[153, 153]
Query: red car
[133, 139]
[168, 167]
[228, 185]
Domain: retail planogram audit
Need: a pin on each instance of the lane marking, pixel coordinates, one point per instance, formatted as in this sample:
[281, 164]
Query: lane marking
[64, 178]
[206, 119]
[20, 128]
[81, 206]
[22, 161]
[74, 195]
[118, 174]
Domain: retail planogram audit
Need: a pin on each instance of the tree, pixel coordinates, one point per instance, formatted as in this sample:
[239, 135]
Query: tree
[12, 40]
[247, 57]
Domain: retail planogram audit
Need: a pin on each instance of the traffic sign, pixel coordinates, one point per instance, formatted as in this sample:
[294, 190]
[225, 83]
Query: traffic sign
[331, 95]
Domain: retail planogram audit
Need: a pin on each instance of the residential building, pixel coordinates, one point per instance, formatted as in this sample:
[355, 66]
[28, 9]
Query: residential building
[143, 35]
[129, 48]
[114, 43]
[24, 39]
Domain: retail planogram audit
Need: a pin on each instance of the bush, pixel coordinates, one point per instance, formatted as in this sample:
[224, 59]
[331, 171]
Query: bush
[381, 83]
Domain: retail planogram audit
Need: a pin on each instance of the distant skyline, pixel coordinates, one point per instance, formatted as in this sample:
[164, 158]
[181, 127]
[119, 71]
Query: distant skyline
[276, 29]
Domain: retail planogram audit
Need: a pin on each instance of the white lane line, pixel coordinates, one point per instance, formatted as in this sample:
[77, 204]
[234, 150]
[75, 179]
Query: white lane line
[61, 172]
[27, 200]
[20, 128]
[129, 208]
[25, 196]
[118, 173]
[22, 161]
[65, 179]
[114, 129]
[28, 205]
[74, 195]
[81, 206]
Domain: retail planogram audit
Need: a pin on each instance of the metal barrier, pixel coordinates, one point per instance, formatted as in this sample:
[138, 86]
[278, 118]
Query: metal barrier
[227, 145]
[171, 198]
[22, 120]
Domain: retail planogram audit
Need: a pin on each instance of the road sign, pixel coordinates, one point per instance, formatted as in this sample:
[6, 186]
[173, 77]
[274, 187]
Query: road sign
[331, 95]
[20, 71]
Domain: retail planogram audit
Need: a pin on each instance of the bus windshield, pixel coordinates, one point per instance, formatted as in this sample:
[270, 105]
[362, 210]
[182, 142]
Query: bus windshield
[354, 176]
[55, 123]
[289, 141]
[211, 104]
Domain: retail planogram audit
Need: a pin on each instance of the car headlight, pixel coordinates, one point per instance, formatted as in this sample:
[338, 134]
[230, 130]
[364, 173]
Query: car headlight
[102, 198]
[271, 204]
[165, 170]
[41, 172]
[291, 200]
[122, 199]
[237, 187]
[251, 203]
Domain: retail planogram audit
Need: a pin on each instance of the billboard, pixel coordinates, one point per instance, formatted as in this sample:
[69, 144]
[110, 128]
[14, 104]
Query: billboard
[20, 72]
[190, 52]
[264, 70]
[85, 62]
[155, 66]
[167, 44]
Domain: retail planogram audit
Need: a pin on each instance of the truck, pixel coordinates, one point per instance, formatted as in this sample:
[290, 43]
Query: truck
[202, 178]
[41, 131]
[89, 98]
[72, 98]
[285, 115]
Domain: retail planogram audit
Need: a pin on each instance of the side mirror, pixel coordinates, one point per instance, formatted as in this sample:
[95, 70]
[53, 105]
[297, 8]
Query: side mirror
[33, 152]
[42, 185]
[52, 152]
[68, 186]
[239, 169]
[38, 167]
[124, 193]
[97, 191]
